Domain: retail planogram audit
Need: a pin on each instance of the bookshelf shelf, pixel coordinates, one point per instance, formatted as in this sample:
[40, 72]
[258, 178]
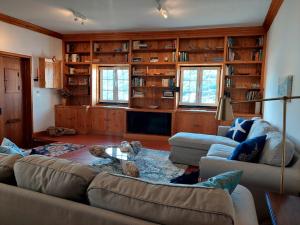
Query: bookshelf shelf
[246, 47]
[78, 75]
[154, 50]
[154, 63]
[111, 52]
[77, 63]
[243, 62]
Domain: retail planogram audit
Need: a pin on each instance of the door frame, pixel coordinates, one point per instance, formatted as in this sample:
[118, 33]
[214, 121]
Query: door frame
[26, 69]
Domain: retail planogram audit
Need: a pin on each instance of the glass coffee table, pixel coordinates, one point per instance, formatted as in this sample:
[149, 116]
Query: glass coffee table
[115, 153]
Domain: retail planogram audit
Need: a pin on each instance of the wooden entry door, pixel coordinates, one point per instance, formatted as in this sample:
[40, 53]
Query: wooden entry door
[11, 102]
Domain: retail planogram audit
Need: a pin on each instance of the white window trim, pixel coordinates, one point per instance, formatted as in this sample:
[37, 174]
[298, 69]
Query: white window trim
[115, 89]
[199, 80]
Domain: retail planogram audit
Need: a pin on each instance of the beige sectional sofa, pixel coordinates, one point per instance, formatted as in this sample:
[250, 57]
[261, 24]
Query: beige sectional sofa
[53, 191]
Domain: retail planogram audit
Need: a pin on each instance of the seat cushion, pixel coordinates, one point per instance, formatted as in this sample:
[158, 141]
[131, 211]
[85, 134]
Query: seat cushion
[161, 203]
[199, 141]
[58, 177]
[7, 167]
[219, 150]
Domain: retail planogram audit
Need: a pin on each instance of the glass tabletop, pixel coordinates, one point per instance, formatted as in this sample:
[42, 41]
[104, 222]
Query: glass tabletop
[115, 152]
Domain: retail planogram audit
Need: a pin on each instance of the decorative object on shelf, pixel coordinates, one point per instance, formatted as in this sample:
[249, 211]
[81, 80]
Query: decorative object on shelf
[65, 94]
[153, 59]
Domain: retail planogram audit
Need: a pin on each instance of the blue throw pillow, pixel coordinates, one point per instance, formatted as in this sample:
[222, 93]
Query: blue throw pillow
[249, 150]
[226, 181]
[239, 129]
[9, 147]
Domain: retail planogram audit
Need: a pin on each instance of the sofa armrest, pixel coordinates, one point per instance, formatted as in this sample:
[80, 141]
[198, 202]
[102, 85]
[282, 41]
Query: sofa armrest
[258, 176]
[222, 130]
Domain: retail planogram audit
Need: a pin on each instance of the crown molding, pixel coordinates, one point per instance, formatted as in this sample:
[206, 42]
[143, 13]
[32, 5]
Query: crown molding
[30, 26]
[272, 12]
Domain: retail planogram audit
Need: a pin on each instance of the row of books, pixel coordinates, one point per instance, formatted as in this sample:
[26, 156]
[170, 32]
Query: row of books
[252, 95]
[138, 82]
[183, 56]
[257, 55]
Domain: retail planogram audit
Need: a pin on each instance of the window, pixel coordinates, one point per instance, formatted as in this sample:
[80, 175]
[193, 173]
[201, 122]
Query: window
[114, 84]
[199, 86]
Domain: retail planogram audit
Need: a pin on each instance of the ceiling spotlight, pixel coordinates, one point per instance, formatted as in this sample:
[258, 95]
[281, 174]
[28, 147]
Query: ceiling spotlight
[78, 17]
[163, 12]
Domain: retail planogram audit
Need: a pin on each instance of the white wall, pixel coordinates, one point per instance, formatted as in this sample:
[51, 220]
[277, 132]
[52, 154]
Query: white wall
[283, 58]
[22, 41]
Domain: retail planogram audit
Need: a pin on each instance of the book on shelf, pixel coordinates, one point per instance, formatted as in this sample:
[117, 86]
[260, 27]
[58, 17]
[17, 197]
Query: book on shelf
[257, 55]
[252, 95]
[138, 82]
[183, 56]
[231, 55]
[229, 70]
[260, 41]
[230, 42]
[165, 82]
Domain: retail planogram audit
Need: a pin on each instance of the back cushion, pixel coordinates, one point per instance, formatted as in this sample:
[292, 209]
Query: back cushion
[57, 177]
[6, 168]
[271, 154]
[161, 203]
[260, 128]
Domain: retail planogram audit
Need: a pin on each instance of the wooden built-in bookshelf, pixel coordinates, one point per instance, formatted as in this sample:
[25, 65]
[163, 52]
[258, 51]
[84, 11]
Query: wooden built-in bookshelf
[155, 61]
[243, 71]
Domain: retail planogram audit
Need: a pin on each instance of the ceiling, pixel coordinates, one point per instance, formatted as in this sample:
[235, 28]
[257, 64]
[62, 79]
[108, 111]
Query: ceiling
[137, 15]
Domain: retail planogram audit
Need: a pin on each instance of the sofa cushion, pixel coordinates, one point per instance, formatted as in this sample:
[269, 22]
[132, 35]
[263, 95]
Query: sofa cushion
[226, 181]
[53, 176]
[271, 154]
[249, 150]
[239, 129]
[7, 167]
[199, 141]
[260, 127]
[219, 150]
[161, 203]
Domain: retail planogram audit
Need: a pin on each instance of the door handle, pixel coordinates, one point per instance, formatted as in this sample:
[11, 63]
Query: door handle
[10, 121]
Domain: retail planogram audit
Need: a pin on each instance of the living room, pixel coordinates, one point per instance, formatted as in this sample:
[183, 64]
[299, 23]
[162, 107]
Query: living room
[149, 112]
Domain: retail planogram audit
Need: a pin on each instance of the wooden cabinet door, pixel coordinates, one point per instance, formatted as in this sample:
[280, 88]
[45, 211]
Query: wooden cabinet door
[98, 120]
[115, 121]
[196, 122]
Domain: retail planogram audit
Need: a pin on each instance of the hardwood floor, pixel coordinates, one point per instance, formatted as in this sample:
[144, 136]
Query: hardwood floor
[83, 155]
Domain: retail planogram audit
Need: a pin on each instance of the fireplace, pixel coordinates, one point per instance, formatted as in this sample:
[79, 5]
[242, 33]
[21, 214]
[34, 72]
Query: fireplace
[155, 123]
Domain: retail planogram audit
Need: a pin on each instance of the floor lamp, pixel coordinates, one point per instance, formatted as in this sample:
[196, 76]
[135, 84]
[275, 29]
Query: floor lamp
[224, 110]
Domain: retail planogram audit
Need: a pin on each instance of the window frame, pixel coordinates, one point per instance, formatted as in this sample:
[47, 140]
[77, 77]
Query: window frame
[115, 81]
[199, 85]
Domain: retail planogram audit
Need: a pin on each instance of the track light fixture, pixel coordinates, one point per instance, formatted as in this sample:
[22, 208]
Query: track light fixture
[163, 11]
[78, 17]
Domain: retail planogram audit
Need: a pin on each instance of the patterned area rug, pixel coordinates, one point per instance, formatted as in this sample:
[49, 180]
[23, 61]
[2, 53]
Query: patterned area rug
[55, 149]
[154, 165]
